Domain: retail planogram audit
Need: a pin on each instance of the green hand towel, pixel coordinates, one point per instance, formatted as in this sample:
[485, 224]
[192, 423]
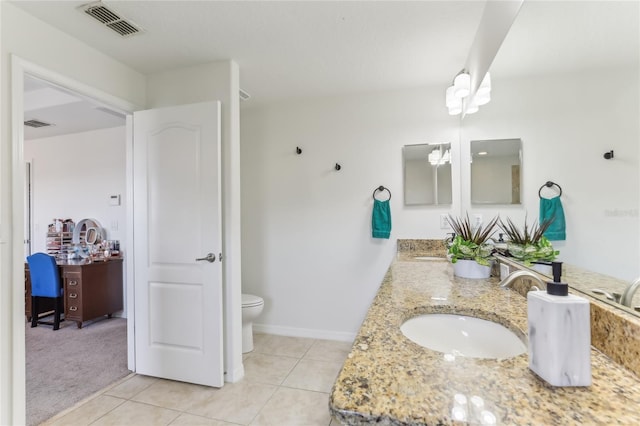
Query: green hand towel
[552, 208]
[381, 219]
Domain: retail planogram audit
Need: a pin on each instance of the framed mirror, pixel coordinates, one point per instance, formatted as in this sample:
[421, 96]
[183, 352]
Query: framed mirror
[427, 174]
[495, 171]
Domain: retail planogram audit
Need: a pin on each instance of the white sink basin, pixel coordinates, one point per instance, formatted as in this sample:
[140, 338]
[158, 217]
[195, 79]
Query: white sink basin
[462, 335]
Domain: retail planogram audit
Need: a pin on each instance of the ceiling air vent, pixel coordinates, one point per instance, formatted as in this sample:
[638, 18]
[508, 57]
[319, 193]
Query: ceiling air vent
[111, 19]
[36, 123]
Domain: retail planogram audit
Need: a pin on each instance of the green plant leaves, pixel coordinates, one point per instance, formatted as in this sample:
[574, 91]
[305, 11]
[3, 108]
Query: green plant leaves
[470, 244]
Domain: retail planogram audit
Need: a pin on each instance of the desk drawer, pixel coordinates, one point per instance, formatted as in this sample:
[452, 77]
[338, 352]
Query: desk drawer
[73, 296]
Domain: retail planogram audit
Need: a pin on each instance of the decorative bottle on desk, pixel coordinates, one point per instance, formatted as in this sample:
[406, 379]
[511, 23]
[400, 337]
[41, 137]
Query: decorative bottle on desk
[559, 334]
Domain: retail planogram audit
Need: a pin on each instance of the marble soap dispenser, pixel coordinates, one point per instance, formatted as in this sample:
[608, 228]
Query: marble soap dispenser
[559, 334]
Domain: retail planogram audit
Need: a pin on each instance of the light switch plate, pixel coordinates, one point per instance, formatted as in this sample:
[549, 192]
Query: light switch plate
[444, 223]
[477, 220]
[114, 200]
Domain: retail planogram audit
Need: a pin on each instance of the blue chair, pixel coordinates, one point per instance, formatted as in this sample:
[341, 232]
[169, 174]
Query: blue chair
[45, 283]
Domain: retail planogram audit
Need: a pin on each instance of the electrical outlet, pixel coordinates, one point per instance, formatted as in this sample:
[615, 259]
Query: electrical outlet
[477, 220]
[444, 223]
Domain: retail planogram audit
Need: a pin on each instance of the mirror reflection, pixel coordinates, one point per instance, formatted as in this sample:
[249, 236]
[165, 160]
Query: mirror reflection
[495, 171]
[427, 174]
[566, 80]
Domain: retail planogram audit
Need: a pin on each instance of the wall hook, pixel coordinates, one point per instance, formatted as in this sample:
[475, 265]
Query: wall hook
[298, 150]
[338, 166]
[608, 155]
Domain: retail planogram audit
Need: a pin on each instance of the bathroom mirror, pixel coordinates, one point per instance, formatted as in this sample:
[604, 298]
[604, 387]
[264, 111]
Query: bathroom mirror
[567, 82]
[427, 174]
[495, 171]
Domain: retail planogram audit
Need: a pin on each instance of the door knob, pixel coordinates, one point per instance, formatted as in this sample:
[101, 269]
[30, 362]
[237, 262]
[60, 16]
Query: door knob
[209, 258]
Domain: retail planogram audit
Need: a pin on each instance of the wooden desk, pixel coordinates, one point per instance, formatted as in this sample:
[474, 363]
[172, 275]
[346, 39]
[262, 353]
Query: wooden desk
[91, 289]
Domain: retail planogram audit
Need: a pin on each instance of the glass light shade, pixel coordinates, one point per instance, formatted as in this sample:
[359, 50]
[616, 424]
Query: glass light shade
[434, 156]
[482, 98]
[455, 110]
[451, 100]
[462, 85]
[471, 108]
[485, 86]
[446, 158]
[483, 94]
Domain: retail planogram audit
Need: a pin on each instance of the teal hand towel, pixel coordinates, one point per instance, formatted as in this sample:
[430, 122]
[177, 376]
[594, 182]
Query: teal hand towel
[381, 219]
[552, 208]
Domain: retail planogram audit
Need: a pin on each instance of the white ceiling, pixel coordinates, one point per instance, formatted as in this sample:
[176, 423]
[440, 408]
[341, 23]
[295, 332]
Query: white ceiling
[306, 49]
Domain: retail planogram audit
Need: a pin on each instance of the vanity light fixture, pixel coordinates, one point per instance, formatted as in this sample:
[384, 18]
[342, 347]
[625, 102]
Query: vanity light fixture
[436, 157]
[462, 85]
[472, 107]
[483, 95]
[454, 104]
[458, 93]
[483, 153]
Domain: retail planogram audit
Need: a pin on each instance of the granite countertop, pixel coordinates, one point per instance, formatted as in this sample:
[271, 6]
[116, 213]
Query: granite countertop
[387, 379]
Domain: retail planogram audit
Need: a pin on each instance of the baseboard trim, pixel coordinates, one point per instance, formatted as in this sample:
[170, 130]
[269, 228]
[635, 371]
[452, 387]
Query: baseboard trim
[235, 376]
[304, 332]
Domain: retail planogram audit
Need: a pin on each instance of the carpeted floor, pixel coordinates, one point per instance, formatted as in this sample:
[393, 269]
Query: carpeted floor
[70, 364]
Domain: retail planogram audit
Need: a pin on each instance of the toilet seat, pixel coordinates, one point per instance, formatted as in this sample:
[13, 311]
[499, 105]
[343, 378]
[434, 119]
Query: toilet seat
[249, 300]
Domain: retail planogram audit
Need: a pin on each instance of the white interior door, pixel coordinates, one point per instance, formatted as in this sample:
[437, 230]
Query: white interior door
[178, 300]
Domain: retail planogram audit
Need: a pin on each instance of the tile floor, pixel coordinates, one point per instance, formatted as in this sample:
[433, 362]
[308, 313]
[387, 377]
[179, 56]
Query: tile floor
[287, 383]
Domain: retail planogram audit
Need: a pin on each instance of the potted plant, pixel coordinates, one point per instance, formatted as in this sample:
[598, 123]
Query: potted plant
[528, 245]
[470, 251]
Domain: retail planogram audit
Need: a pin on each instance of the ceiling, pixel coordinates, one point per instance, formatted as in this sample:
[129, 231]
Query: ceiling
[302, 49]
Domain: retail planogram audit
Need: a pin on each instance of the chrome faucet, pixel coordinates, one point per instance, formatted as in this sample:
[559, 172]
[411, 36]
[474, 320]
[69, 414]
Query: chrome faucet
[509, 280]
[630, 291]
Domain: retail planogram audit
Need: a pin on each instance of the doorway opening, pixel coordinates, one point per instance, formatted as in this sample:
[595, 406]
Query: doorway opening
[27, 78]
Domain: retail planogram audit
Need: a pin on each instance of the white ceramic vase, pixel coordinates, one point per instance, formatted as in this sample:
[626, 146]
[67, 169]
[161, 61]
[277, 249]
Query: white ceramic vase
[471, 269]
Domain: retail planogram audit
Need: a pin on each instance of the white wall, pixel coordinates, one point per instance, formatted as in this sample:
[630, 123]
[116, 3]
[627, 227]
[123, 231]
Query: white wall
[491, 179]
[306, 238]
[38, 43]
[73, 177]
[567, 123]
[216, 81]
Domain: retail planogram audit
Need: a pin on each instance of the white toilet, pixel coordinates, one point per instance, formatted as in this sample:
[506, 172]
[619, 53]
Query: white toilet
[251, 308]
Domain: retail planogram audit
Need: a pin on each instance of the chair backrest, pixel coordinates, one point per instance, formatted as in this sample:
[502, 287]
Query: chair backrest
[45, 277]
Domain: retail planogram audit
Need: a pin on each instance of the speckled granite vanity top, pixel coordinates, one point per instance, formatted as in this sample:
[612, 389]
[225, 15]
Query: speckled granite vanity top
[389, 380]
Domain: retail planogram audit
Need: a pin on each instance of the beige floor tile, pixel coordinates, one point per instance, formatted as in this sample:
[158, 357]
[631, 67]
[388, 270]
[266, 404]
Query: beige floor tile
[313, 375]
[131, 386]
[329, 350]
[174, 395]
[136, 413]
[235, 402]
[282, 345]
[258, 338]
[268, 369]
[193, 420]
[88, 412]
[295, 407]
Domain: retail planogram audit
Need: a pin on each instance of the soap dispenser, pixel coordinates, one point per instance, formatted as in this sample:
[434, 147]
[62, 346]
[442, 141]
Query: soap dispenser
[559, 334]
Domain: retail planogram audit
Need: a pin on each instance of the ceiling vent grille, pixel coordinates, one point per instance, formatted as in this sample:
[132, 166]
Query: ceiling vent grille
[111, 19]
[36, 123]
